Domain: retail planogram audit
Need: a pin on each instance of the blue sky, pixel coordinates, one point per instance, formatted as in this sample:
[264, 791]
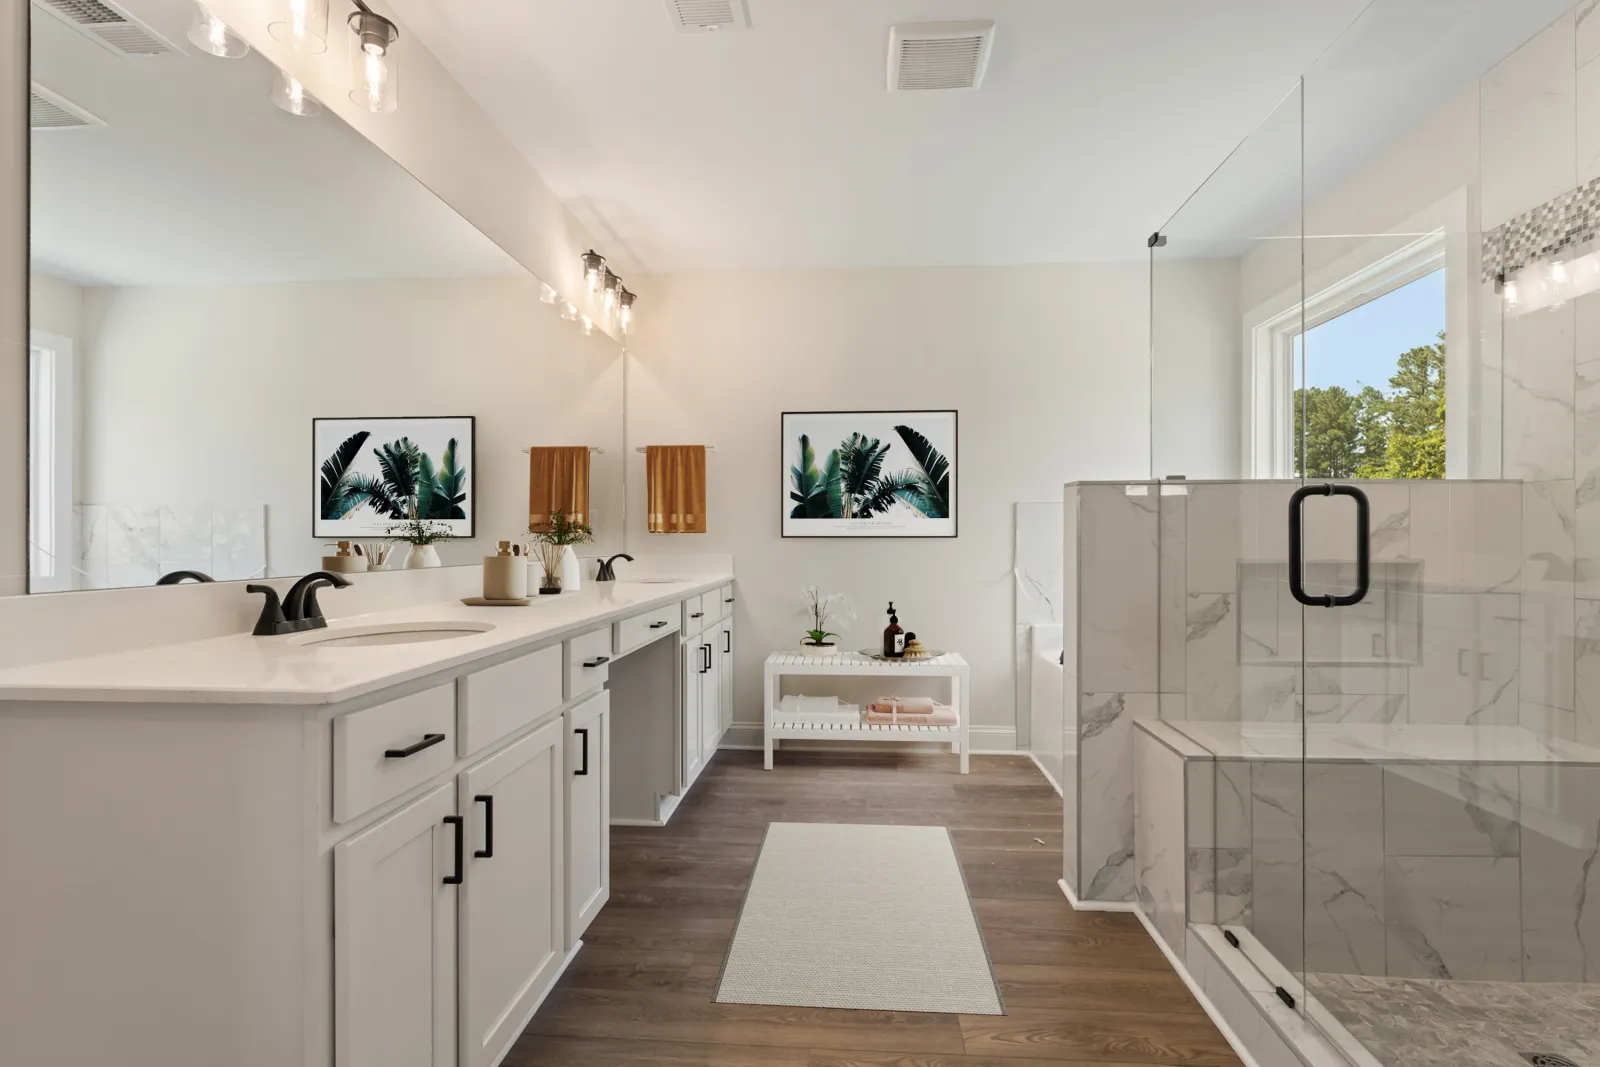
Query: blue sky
[1360, 347]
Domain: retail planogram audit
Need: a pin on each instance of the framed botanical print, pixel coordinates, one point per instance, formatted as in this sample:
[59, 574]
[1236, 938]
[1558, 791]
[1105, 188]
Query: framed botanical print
[869, 473]
[373, 473]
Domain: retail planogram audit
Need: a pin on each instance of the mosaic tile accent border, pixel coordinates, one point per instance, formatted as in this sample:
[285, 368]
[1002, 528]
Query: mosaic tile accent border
[1569, 220]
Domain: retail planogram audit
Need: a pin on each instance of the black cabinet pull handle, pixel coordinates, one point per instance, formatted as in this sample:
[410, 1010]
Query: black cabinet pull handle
[461, 834]
[658, 625]
[697, 615]
[1297, 585]
[706, 653]
[487, 851]
[597, 661]
[428, 741]
[727, 642]
[583, 732]
[728, 601]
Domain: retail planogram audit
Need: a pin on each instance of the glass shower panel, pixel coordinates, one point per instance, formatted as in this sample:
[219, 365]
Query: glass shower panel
[1222, 443]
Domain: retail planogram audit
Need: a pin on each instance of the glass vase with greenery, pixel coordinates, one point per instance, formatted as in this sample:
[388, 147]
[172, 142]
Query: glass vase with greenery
[551, 540]
[820, 612]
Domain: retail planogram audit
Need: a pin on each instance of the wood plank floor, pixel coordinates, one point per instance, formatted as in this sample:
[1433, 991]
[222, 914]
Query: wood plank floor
[1085, 988]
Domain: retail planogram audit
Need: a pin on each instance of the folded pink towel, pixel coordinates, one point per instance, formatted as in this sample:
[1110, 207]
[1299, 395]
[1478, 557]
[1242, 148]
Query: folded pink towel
[904, 705]
[937, 717]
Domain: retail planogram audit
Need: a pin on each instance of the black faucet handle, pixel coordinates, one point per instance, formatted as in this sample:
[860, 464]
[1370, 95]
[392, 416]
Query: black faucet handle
[272, 621]
[303, 611]
[605, 573]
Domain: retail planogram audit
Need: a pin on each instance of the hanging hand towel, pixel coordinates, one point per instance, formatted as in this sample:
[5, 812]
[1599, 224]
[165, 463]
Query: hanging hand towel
[676, 475]
[558, 478]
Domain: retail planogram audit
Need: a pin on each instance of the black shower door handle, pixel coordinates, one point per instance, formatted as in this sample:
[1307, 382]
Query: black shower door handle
[1297, 584]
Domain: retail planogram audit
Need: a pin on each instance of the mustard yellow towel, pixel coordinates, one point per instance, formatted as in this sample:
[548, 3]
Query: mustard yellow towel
[558, 478]
[676, 475]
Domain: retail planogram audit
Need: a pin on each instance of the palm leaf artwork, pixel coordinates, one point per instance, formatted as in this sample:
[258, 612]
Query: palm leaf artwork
[861, 466]
[452, 484]
[375, 494]
[428, 496]
[815, 493]
[398, 462]
[927, 489]
[340, 494]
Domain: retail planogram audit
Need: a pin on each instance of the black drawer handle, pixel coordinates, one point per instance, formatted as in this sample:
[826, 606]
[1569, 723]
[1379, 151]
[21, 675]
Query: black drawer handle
[597, 661]
[428, 741]
[487, 851]
[583, 732]
[728, 601]
[658, 625]
[461, 833]
[697, 615]
[727, 642]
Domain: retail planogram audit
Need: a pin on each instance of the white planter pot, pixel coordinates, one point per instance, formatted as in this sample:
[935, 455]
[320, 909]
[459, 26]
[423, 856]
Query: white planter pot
[808, 649]
[571, 571]
[421, 556]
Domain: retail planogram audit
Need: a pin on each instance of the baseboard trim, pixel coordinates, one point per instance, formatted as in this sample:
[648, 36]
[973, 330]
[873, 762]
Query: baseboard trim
[1093, 905]
[1047, 776]
[1206, 1005]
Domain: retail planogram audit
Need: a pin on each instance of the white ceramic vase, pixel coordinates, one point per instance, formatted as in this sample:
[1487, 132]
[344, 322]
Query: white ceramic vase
[571, 570]
[421, 556]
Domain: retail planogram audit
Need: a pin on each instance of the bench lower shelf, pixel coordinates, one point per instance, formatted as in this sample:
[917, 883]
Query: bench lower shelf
[876, 731]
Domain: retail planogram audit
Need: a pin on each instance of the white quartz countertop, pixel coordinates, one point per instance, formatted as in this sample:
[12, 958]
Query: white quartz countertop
[244, 669]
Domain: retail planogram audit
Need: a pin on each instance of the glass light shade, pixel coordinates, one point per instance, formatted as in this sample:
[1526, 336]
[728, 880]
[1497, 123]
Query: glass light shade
[212, 36]
[291, 96]
[374, 74]
[594, 270]
[304, 26]
[625, 301]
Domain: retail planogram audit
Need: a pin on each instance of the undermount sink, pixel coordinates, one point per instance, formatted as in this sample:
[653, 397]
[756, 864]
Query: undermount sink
[414, 633]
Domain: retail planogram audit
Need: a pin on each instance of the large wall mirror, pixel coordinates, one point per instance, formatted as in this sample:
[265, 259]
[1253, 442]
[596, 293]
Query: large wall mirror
[210, 273]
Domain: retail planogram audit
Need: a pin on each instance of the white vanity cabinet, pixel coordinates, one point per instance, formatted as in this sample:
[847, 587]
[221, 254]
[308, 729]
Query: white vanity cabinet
[513, 911]
[394, 982]
[588, 783]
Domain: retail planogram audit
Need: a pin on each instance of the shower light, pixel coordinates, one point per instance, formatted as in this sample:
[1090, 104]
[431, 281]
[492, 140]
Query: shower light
[291, 96]
[211, 35]
[372, 61]
[593, 264]
[304, 26]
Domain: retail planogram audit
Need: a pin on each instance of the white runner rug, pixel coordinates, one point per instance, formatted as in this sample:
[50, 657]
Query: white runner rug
[869, 917]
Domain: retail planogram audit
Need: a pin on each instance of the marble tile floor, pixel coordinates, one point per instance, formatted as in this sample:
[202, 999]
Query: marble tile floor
[1414, 1022]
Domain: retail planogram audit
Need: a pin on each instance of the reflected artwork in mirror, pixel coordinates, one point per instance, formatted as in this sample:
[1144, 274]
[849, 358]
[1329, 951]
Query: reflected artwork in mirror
[216, 260]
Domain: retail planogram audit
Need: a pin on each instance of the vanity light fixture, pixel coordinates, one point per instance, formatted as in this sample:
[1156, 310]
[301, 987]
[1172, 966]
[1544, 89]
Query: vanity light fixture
[625, 301]
[569, 312]
[588, 326]
[612, 286]
[593, 266]
[547, 293]
[304, 26]
[372, 60]
[212, 36]
[291, 96]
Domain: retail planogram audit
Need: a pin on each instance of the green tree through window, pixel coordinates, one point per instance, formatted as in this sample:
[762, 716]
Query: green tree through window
[1373, 434]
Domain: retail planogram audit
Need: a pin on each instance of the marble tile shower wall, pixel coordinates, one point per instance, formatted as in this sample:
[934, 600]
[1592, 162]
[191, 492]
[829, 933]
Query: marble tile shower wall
[121, 545]
[1476, 872]
[1474, 617]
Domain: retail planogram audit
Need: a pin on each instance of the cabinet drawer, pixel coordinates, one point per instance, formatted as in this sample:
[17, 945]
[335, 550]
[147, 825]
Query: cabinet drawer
[696, 616]
[381, 752]
[644, 628]
[724, 598]
[501, 700]
[588, 663]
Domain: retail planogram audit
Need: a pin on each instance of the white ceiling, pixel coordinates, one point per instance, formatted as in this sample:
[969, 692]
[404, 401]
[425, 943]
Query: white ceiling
[779, 147]
[198, 178]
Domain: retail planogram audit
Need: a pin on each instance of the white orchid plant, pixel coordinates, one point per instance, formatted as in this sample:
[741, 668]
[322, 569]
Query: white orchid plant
[822, 612]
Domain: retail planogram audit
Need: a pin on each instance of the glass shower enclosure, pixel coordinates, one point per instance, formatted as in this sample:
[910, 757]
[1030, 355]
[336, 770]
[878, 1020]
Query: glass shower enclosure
[1375, 429]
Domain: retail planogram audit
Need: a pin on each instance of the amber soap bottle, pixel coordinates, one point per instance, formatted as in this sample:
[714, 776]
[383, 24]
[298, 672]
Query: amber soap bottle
[894, 637]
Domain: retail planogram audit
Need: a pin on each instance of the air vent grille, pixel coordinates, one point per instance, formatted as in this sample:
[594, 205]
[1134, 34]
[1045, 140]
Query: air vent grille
[939, 55]
[708, 16]
[108, 26]
[47, 111]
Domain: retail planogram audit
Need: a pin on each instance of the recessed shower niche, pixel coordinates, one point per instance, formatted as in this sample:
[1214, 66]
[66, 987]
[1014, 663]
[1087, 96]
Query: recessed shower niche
[1384, 630]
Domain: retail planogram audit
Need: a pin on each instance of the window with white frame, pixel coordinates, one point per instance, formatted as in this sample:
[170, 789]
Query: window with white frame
[1350, 384]
[50, 437]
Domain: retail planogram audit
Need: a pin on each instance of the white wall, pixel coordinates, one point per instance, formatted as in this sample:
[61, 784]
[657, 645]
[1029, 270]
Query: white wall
[55, 306]
[205, 394]
[1048, 367]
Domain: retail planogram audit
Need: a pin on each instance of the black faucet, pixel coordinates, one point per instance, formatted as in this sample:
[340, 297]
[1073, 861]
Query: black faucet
[181, 576]
[605, 573]
[298, 610]
[300, 603]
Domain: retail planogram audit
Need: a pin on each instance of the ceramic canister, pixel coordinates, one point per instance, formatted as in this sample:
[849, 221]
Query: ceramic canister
[505, 576]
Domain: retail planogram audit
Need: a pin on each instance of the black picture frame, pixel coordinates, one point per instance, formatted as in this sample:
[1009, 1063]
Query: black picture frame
[792, 423]
[421, 428]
